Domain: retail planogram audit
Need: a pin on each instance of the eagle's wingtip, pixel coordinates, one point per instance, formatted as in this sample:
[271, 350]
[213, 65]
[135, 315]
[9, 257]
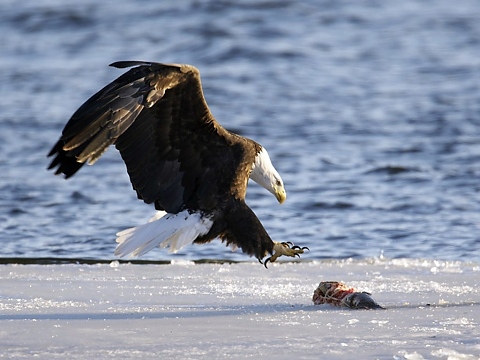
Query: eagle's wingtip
[126, 64]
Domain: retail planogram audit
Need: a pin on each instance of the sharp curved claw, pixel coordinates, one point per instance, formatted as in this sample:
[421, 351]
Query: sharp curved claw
[265, 263]
[295, 247]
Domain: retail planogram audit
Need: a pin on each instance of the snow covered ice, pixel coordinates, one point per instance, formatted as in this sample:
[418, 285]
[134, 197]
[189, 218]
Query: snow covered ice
[216, 311]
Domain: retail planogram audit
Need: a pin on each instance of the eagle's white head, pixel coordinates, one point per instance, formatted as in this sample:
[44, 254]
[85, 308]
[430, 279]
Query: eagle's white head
[264, 174]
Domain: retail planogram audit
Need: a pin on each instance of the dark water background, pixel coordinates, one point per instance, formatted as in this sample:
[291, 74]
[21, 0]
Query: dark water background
[369, 109]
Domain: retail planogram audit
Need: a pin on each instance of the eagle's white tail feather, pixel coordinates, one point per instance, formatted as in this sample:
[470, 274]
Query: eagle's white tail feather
[158, 215]
[164, 230]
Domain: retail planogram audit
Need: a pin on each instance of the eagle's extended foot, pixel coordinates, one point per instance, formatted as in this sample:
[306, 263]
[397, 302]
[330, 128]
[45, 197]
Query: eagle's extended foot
[285, 248]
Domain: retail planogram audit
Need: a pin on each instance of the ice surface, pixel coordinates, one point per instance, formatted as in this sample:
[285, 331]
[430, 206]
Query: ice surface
[216, 311]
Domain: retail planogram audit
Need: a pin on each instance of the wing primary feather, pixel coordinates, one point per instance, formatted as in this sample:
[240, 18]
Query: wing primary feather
[108, 136]
[126, 64]
[95, 148]
[88, 132]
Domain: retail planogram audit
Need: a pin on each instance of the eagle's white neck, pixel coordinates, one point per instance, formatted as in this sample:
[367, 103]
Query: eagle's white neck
[264, 174]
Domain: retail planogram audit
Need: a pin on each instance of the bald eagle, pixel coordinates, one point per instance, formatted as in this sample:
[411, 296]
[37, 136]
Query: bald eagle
[178, 157]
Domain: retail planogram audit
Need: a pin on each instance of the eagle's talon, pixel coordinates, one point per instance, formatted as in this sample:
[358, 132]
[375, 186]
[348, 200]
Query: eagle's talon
[284, 248]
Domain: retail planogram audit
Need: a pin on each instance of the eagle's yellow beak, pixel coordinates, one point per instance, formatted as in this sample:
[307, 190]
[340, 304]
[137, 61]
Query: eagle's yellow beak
[280, 194]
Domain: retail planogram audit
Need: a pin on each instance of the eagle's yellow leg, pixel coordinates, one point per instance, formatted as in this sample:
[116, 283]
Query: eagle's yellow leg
[286, 249]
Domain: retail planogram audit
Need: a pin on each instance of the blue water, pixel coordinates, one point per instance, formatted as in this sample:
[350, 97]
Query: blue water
[370, 110]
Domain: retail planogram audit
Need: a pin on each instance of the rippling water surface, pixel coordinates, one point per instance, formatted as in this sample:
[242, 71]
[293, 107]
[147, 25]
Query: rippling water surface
[369, 109]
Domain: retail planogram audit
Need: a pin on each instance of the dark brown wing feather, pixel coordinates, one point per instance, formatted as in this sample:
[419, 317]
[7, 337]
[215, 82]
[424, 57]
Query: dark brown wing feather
[176, 154]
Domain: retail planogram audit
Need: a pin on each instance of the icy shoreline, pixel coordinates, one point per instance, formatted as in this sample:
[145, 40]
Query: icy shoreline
[216, 311]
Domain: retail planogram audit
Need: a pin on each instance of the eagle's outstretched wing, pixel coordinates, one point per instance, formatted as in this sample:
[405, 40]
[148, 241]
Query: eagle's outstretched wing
[158, 119]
